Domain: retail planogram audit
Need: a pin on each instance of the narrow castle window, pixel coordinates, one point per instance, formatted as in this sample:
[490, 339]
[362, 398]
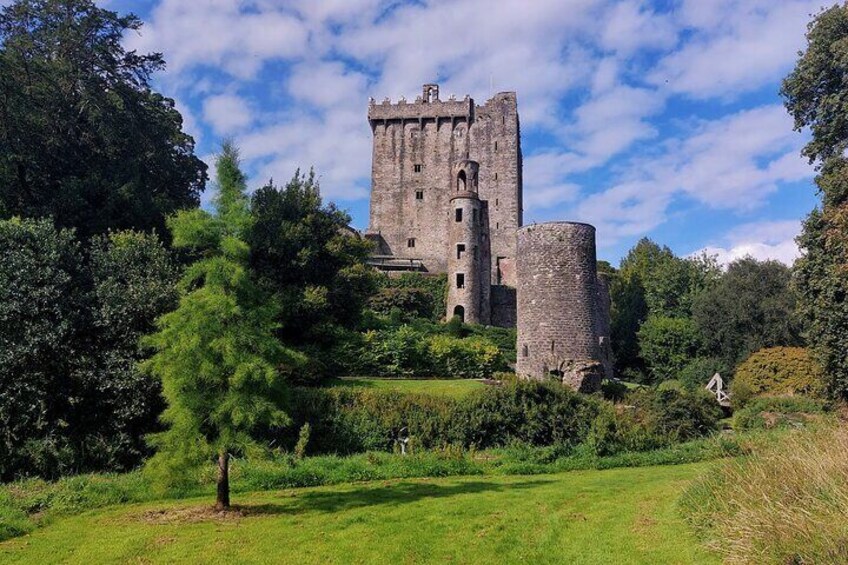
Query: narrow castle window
[416, 168]
[410, 242]
[497, 225]
[460, 249]
[496, 202]
[496, 176]
[419, 195]
[496, 146]
[503, 120]
[460, 280]
[525, 351]
[458, 214]
[553, 346]
[460, 181]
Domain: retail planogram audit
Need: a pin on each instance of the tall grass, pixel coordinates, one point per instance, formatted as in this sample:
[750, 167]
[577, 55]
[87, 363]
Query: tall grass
[786, 503]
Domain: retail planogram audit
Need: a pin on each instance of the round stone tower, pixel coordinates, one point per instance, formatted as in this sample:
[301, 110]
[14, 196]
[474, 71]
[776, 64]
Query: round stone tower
[467, 287]
[558, 322]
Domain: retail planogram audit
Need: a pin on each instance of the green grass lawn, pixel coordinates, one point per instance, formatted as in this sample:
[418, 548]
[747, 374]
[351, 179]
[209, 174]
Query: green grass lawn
[444, 387]
[616, 516]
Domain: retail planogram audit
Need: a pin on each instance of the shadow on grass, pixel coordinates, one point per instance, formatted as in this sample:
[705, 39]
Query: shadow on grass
[394, 495]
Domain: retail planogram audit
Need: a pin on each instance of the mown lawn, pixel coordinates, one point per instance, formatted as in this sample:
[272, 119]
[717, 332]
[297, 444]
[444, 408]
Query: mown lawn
[616, 516]
[456, 388]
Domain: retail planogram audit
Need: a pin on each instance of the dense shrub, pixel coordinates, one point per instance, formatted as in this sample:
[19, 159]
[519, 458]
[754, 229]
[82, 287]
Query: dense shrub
[667, 345]
[463, 358]
[653, 418]
[420, 350]
[777, 371]
[71, 398]
[415, 294]
[411, 302]
[698, 372]
[348, 421]
[776, 412]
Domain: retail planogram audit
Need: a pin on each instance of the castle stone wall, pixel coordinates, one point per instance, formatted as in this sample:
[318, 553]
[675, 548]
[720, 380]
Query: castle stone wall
[557, 302]
[415, 146]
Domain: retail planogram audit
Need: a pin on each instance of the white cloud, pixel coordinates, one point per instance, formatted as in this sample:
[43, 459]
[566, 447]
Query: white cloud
[631, 26]
[736, 47]
[228, 113]
[732, 163]
[760, 240]
[327, 84]
[594, 78]
[235, 35]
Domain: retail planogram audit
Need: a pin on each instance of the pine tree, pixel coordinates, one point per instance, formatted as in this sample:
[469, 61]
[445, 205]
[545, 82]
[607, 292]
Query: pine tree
[222, 369]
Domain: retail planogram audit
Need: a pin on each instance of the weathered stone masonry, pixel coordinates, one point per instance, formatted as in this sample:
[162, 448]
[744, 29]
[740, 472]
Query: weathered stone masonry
[446, 197]
[415, 147]
[560, 331]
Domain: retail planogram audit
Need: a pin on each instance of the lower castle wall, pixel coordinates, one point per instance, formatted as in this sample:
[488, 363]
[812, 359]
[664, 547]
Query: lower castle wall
[504, 306]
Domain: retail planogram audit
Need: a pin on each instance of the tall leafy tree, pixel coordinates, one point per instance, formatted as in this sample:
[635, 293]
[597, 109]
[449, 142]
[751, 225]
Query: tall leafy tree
[71, 397]
[83, 136]
[653, 282]
[303, 252]
[221, 367]
[751, 307]
[816, 94]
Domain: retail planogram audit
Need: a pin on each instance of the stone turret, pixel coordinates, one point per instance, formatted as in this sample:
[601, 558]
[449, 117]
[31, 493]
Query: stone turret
[468, 261]
[559, 333]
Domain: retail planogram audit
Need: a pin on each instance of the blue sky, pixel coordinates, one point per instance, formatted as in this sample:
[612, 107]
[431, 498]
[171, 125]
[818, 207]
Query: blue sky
[658, 119]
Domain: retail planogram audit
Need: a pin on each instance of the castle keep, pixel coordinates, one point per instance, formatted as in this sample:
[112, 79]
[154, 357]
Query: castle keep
[416, 147]
[446, 197]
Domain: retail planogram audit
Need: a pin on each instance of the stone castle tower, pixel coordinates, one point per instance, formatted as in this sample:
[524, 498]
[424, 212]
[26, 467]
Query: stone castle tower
[446, 197]
[469, 264]
[563, 306]
[416, 149]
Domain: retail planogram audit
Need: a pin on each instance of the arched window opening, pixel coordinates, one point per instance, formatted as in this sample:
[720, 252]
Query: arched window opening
[460, 181]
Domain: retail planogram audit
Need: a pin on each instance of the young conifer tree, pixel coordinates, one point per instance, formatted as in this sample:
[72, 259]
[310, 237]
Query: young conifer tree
[216, 354]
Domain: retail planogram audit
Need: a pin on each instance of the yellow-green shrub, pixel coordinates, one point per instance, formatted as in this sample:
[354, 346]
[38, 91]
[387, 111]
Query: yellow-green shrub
[777, 371]
[463, 358]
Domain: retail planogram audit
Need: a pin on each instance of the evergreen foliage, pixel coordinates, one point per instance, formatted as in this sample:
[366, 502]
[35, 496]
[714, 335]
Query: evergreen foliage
[71, 398]
[221, 367]
[667, 345]
[84, 138]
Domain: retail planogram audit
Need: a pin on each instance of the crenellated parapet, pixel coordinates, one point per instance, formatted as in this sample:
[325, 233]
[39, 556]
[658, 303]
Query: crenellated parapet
[420, 109]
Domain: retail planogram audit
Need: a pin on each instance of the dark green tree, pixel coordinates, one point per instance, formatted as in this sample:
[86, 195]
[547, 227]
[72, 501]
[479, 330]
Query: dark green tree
[816, 94]
[83, 136]
[42, 306]
[134, 281]
[221, 367]
[667, 345]
[306, 255]
[71, 398]
[653, 281]
[751, 307]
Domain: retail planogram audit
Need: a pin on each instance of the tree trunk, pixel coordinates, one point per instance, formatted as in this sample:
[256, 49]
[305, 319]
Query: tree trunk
[222, 502]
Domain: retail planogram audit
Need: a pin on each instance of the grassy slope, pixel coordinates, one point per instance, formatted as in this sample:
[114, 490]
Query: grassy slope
[455, 388]
[621, 516]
